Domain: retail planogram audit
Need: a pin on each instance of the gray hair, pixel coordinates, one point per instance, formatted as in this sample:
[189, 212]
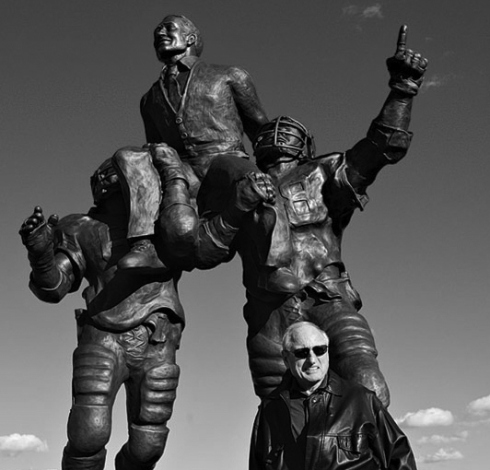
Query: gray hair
[288, 334]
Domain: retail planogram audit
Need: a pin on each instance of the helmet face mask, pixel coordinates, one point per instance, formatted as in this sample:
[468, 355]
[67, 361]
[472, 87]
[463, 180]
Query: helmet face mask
[281, 140]
[104, 182]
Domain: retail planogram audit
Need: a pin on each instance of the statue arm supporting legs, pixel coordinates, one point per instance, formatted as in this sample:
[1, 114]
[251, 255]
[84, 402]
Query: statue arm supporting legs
[217, 234]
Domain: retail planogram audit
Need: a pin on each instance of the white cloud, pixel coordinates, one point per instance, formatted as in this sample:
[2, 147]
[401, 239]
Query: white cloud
[15, 444]
[480, 407]
[429, 417]
[373, 11]
[443, 455]
[436, 81]
[438, 439]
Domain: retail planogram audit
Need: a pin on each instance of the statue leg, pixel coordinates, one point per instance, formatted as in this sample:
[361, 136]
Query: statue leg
[218, 184]
[93, 462]
[151, 393]
[142, 192]
[96, 381]
[144, 448]
[267, 323]
[353, 353]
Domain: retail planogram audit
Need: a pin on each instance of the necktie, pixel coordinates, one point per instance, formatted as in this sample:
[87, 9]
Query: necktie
[172, 85]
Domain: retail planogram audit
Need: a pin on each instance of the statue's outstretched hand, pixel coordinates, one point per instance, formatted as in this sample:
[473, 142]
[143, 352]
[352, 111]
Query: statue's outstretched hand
[406, 67]
[254, 189]
[36, 232]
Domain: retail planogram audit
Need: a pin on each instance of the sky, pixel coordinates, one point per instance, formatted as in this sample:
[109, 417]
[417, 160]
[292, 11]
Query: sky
[72, 76]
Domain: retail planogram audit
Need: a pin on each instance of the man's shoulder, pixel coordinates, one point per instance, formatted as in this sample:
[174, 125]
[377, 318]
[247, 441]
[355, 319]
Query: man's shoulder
[74, 222]
[71, 237]
[80, 227]
[231, 71]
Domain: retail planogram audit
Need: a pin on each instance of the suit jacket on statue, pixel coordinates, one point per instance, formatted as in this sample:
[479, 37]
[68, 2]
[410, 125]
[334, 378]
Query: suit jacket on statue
[218, 104]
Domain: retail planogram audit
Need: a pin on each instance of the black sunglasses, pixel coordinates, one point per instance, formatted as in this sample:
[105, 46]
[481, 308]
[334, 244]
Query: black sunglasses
[303, 353]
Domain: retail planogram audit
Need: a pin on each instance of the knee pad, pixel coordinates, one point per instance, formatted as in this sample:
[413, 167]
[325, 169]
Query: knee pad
[89, 429]
[93, 375]
[158, 392]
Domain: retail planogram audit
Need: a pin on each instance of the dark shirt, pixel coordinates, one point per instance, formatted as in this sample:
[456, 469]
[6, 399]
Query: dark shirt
[298, 412]
[298, 408]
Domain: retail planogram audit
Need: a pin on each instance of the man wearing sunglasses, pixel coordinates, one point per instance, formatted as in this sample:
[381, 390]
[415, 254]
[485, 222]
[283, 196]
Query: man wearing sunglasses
[318, 420]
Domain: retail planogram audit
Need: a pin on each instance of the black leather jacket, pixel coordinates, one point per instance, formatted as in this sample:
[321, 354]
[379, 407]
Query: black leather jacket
[347, 429]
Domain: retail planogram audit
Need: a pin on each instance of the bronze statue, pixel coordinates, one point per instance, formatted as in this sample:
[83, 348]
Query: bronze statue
[200, 110]
[129, 331]
[285, 221]
[291, 249]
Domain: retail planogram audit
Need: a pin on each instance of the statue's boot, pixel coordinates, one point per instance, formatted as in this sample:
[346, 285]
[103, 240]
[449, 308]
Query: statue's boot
[94, 462]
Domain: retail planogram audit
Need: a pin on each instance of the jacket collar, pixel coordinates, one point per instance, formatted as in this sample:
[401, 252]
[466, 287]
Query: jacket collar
[186, 63]
[334, 385]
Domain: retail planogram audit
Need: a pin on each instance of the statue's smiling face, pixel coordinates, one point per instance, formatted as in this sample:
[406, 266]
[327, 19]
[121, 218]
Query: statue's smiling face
[170, 37]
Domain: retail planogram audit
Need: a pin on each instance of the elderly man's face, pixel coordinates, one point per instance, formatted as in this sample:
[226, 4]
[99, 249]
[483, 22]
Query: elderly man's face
[305, 359]
[170, 37]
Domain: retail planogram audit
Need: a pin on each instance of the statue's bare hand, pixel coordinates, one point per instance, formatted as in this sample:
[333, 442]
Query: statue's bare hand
[406, 67]
[36, 232]
[254, 189]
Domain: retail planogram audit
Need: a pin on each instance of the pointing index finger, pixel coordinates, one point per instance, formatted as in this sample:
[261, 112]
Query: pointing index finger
[401, 43]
